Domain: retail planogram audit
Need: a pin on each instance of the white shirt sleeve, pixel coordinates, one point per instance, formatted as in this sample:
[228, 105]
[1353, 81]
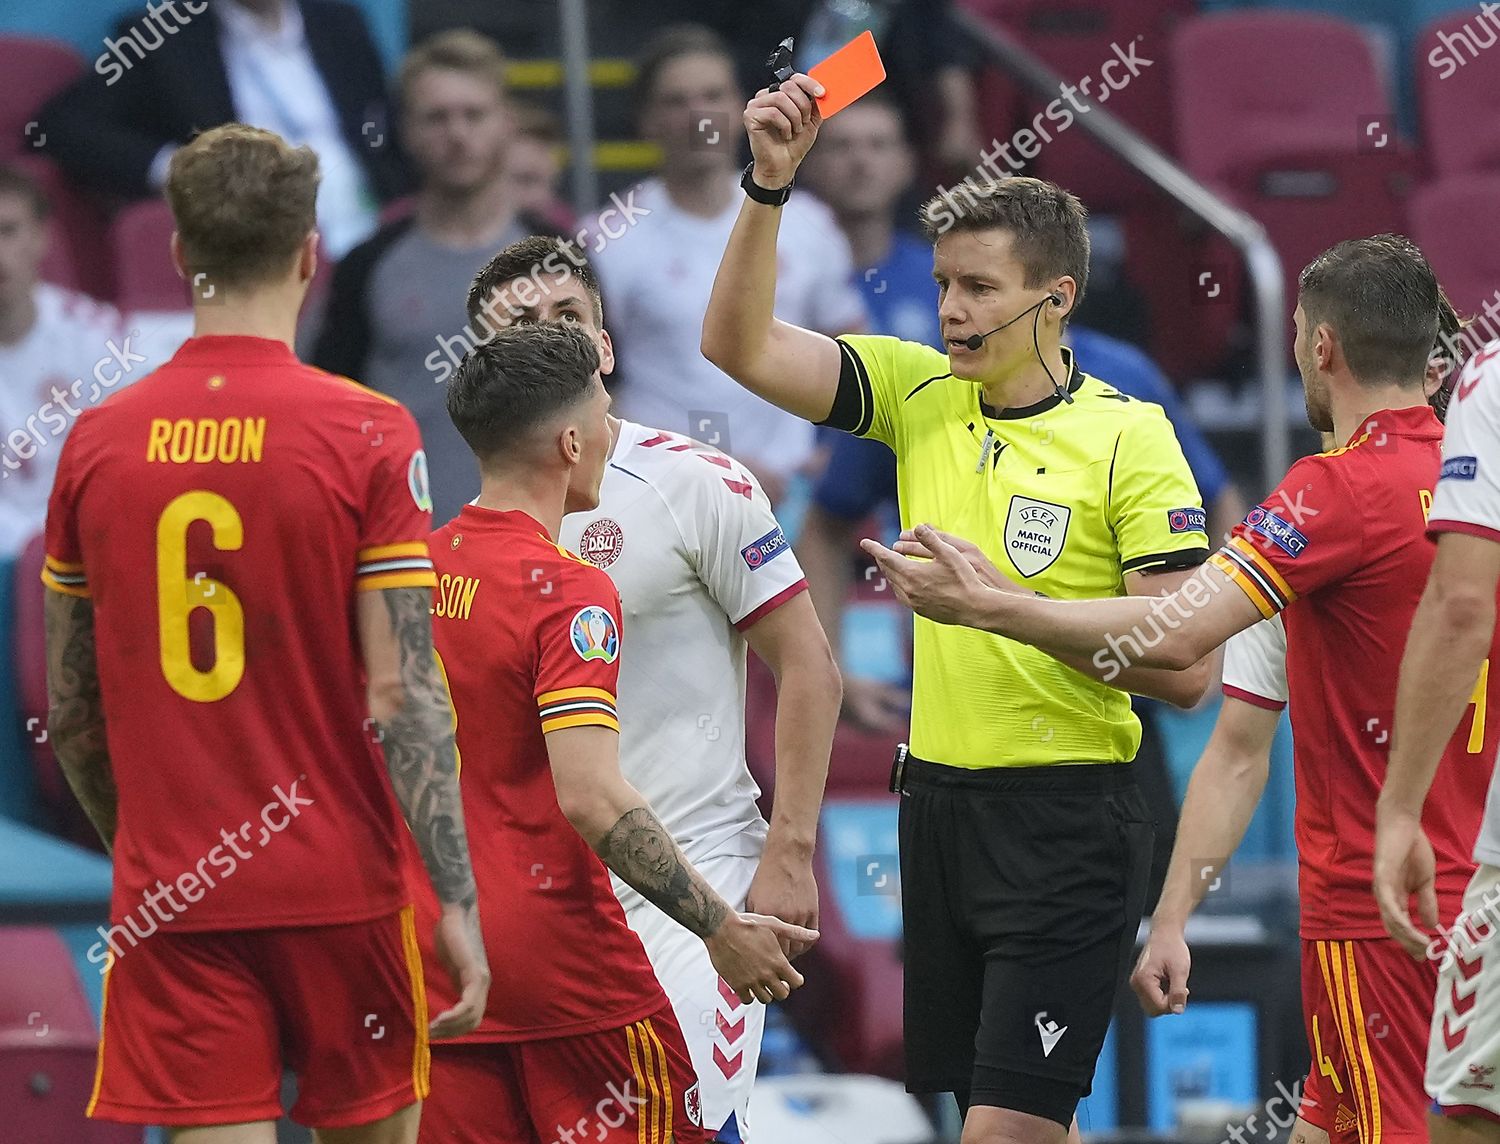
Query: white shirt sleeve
[1467, 497]
[738, 547]
[1255, 665]
[833, 302]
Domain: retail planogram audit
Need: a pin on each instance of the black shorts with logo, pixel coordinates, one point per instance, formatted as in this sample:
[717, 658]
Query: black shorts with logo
[1022, 889]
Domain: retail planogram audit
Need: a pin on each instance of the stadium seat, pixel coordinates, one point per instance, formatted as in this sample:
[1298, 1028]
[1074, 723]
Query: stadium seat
[1451, 221]
[1249, 86]
[1076, 38]
[35, 70]
[1459, 101]
[48, 1042]
[1309, 202]
[860, 762]
[140, 239]
[77, 251]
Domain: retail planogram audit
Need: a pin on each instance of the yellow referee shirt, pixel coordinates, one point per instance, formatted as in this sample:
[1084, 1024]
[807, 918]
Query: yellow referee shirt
[1064, 498]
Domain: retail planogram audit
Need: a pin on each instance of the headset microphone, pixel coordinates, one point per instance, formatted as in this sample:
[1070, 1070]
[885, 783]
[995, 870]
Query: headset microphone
[976, 341]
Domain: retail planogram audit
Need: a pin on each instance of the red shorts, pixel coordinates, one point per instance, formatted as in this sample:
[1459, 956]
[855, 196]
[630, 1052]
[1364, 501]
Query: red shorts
[621, 1086]
[1367, 1007]
[198, 1027]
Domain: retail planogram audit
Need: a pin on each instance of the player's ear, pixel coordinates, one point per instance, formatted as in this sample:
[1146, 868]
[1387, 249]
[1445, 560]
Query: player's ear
[176, 250]
[1325, 346]
[606, 354]
[307, 258]
[570, 444]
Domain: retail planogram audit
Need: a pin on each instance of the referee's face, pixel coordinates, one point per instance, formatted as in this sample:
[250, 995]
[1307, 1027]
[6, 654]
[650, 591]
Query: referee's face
[981, 285]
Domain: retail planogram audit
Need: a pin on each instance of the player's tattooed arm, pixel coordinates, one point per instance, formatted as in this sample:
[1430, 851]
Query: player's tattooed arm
[75, 710]
[639, 849]
[410, 704]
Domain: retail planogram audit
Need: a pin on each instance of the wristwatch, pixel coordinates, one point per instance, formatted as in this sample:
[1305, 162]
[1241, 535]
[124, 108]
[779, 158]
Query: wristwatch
[763, 194]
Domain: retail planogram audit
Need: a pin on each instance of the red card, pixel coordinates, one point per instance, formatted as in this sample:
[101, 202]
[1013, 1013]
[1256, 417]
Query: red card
[852, 71]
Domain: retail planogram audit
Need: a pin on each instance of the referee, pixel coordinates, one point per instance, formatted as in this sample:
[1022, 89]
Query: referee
[1025, 844]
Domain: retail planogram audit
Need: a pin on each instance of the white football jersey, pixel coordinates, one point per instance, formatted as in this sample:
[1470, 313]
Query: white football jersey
[689, 539]
[657, 277]
[1255, 665]
[1467, 499]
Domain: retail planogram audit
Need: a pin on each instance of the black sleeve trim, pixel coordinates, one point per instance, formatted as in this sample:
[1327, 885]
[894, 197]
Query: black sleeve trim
[854, 403]
[1166, 561]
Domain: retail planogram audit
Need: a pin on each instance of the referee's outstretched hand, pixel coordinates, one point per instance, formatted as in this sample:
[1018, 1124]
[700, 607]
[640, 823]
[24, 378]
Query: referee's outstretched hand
[910, 545]
[1161, 975]
[944, 587]
[782, 123]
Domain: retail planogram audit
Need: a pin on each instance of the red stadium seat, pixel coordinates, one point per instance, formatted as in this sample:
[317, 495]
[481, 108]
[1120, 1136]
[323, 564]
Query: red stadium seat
[35, 70]
[140, 238]
[77, 250]
[1257, 85]
[1309, 202]
[1459, 101]
[1076, 39]
[860, 762]
[48, 1044]
[1450, 221]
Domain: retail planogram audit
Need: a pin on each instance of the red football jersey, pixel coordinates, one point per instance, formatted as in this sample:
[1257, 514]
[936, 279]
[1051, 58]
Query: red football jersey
[529, 639]
[221, 514]
[1342, 545]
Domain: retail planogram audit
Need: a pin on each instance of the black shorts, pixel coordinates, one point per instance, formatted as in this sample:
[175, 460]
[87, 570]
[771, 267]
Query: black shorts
[1022, 888]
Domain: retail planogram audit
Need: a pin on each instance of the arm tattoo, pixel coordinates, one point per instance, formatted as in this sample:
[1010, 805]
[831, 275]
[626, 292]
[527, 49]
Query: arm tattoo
[75, 710]
[639, 849]
[420, 753]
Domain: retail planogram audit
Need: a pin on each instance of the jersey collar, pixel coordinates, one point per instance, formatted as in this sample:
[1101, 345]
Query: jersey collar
[233, 349]
[1014, 413]
[1409, 421]
[474, 516]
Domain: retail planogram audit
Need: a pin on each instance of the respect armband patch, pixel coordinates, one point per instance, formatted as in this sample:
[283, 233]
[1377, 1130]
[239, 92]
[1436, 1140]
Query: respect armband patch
[1187, 520]
[1277, 531]
[1459, 469]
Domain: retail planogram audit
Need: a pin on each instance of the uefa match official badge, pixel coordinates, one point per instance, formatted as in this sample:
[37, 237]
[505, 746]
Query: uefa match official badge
[602, 542]
[595, 635]
[1034, 533]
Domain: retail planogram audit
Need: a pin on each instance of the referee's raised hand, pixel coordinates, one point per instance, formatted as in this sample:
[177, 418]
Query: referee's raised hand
[782, 123]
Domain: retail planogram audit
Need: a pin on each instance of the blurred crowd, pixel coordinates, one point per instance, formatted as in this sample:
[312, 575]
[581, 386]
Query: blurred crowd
[427, 173]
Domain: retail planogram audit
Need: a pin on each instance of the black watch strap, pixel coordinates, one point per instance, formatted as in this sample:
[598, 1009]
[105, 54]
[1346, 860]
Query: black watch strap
[763, 194]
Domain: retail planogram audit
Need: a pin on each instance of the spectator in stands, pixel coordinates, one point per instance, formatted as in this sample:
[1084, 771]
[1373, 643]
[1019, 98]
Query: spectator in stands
[398, 299]
[533, 167]
[862, 166]
[60, 352]
[306, 69]
[658, 268]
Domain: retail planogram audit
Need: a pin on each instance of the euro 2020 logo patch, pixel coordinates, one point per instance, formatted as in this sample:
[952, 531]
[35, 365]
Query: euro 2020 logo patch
[595, 635]
[416, 481]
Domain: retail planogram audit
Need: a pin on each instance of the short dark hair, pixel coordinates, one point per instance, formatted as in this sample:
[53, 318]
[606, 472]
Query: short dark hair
[244, 200]
[16, 181]
[516, 381]
[1048, 225]
[1382, 300]
[672, 43]
[528, 258]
